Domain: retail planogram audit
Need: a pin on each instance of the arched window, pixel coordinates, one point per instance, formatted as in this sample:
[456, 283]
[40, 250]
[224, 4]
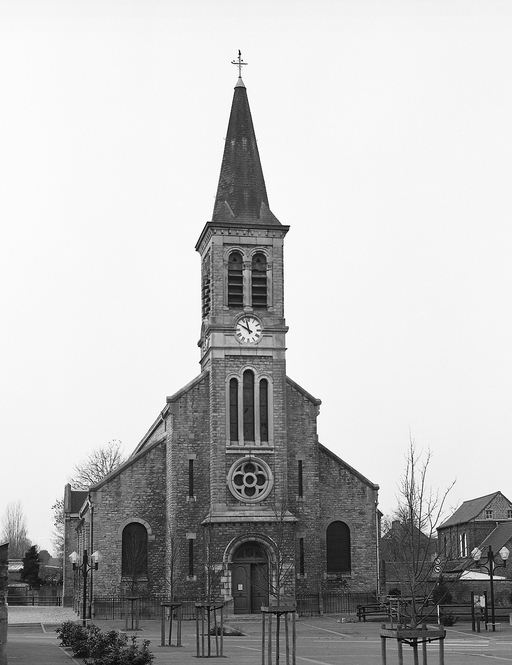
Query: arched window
[338, 548]
[235, 280]
[135, 551]
[248, 405]
[259, 280]
[264, 410]
[233, 410]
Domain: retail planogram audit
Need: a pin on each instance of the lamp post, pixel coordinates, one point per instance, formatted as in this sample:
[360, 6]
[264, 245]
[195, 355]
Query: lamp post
[84, 568]
[490, 565]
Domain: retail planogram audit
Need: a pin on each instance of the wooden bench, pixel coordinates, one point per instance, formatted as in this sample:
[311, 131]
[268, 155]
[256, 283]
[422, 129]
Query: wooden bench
[377, 609]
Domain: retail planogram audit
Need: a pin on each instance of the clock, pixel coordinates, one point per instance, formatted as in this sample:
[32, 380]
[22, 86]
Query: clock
[248, 330]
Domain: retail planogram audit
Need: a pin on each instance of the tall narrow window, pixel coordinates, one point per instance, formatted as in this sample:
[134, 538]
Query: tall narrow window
[338, 548]
[233, 410]
[191, 557]
[264, 410]
[134, 558]
[299, 473]
[301, 556]
[259, 280]
[191, 477]
[206, 292]
[248, 405]
[235, 280]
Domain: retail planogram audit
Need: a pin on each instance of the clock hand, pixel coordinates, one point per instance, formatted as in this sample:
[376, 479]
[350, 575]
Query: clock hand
[246, 326]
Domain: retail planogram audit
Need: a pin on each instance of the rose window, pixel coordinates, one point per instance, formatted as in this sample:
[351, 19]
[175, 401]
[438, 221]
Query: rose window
[250, 480]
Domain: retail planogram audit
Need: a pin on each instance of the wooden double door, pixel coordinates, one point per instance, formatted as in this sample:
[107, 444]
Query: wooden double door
[250, 579]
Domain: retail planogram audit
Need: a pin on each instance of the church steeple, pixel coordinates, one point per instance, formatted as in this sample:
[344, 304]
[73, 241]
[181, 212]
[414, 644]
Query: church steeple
[241, 192]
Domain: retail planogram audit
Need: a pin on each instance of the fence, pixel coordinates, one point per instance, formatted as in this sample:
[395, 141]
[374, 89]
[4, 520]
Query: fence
[34, 599]
[114, 607]
[308, 604]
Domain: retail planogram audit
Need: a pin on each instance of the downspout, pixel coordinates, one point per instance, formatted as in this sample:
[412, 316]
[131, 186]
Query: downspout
[377, 538]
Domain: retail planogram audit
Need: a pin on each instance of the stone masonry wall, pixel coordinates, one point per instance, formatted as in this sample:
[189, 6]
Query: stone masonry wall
[136, 493]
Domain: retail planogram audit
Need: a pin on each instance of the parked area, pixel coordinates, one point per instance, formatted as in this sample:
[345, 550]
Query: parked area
[327, 640]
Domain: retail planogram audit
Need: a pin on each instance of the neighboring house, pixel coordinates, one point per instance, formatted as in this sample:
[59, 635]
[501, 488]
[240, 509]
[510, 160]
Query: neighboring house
[478, 523]
[230, 484]
[395, 559]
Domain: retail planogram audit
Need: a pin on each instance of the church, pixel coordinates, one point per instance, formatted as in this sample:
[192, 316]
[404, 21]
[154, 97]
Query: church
[230, 495]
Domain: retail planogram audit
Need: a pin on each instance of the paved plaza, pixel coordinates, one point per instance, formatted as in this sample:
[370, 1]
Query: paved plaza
[320, 641]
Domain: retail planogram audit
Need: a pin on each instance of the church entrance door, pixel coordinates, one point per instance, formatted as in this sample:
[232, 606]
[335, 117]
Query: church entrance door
[250, 579]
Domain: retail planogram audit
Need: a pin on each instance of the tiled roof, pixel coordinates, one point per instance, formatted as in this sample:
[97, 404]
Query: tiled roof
[468, 510]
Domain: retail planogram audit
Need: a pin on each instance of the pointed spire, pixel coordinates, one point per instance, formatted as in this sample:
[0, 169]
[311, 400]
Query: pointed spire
[241, 193]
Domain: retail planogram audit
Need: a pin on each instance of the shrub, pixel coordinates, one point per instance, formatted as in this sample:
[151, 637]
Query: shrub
[78, 638]
[117, 651]
[104, 648]
[448, 618]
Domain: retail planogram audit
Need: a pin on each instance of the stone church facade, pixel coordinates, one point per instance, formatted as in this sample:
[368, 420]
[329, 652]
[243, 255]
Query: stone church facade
[230, 494]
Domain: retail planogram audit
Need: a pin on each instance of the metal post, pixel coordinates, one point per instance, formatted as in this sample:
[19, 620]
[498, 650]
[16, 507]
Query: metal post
[263, 623]
[84, 600]
[383, 649]
[491, 576]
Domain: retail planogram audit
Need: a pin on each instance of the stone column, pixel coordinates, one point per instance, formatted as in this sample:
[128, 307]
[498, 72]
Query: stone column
[4, 560]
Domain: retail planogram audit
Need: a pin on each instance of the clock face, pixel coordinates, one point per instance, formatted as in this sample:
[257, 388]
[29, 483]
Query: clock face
[248, 330]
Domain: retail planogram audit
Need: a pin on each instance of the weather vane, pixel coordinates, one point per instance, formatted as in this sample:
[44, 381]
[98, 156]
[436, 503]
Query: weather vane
[239, 63]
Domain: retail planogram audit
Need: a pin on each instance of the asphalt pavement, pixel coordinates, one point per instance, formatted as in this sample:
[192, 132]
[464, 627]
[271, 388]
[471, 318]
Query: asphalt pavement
[320, 640]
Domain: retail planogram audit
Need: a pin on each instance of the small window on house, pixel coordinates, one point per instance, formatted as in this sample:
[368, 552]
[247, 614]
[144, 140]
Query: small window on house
[135, 551]
[489, 514]
[259, 280]
[509, 514]
[191, 477]
[299, 474]
[338, 548]
[235, 280]
[191, 557]
[463, 545]
[301, 556]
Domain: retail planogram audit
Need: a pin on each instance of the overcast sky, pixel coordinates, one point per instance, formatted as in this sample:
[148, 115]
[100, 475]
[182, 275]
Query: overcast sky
[385, 134]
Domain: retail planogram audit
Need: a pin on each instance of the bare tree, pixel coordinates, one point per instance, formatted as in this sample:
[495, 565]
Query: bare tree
[15, 530]
[410, 540]
[171, 579]
[58, 528]
[98, 464]
[281, 578]
[92, 469]
[213, 568]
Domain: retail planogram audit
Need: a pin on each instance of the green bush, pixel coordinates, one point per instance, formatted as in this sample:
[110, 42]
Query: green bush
[103, 647]
[78, 638]
[117, 651]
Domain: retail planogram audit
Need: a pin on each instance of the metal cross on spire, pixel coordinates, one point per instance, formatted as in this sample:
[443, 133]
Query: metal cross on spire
[239, 63]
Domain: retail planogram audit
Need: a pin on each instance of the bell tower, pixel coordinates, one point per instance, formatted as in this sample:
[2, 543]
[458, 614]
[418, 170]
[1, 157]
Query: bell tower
[243, 327]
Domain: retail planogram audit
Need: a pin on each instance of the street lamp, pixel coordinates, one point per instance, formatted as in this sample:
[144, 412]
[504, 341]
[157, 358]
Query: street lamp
[84, 568]
[490, 564]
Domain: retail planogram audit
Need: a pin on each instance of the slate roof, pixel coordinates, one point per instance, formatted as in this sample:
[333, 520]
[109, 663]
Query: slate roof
[241, 192]
[78, 497]
[499, 537]
[469, 510]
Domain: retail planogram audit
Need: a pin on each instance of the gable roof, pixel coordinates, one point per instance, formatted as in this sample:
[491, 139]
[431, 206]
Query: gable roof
[499, 537]
[469, 510]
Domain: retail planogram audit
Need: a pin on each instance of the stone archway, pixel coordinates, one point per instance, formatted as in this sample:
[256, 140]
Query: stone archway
[250, 577]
